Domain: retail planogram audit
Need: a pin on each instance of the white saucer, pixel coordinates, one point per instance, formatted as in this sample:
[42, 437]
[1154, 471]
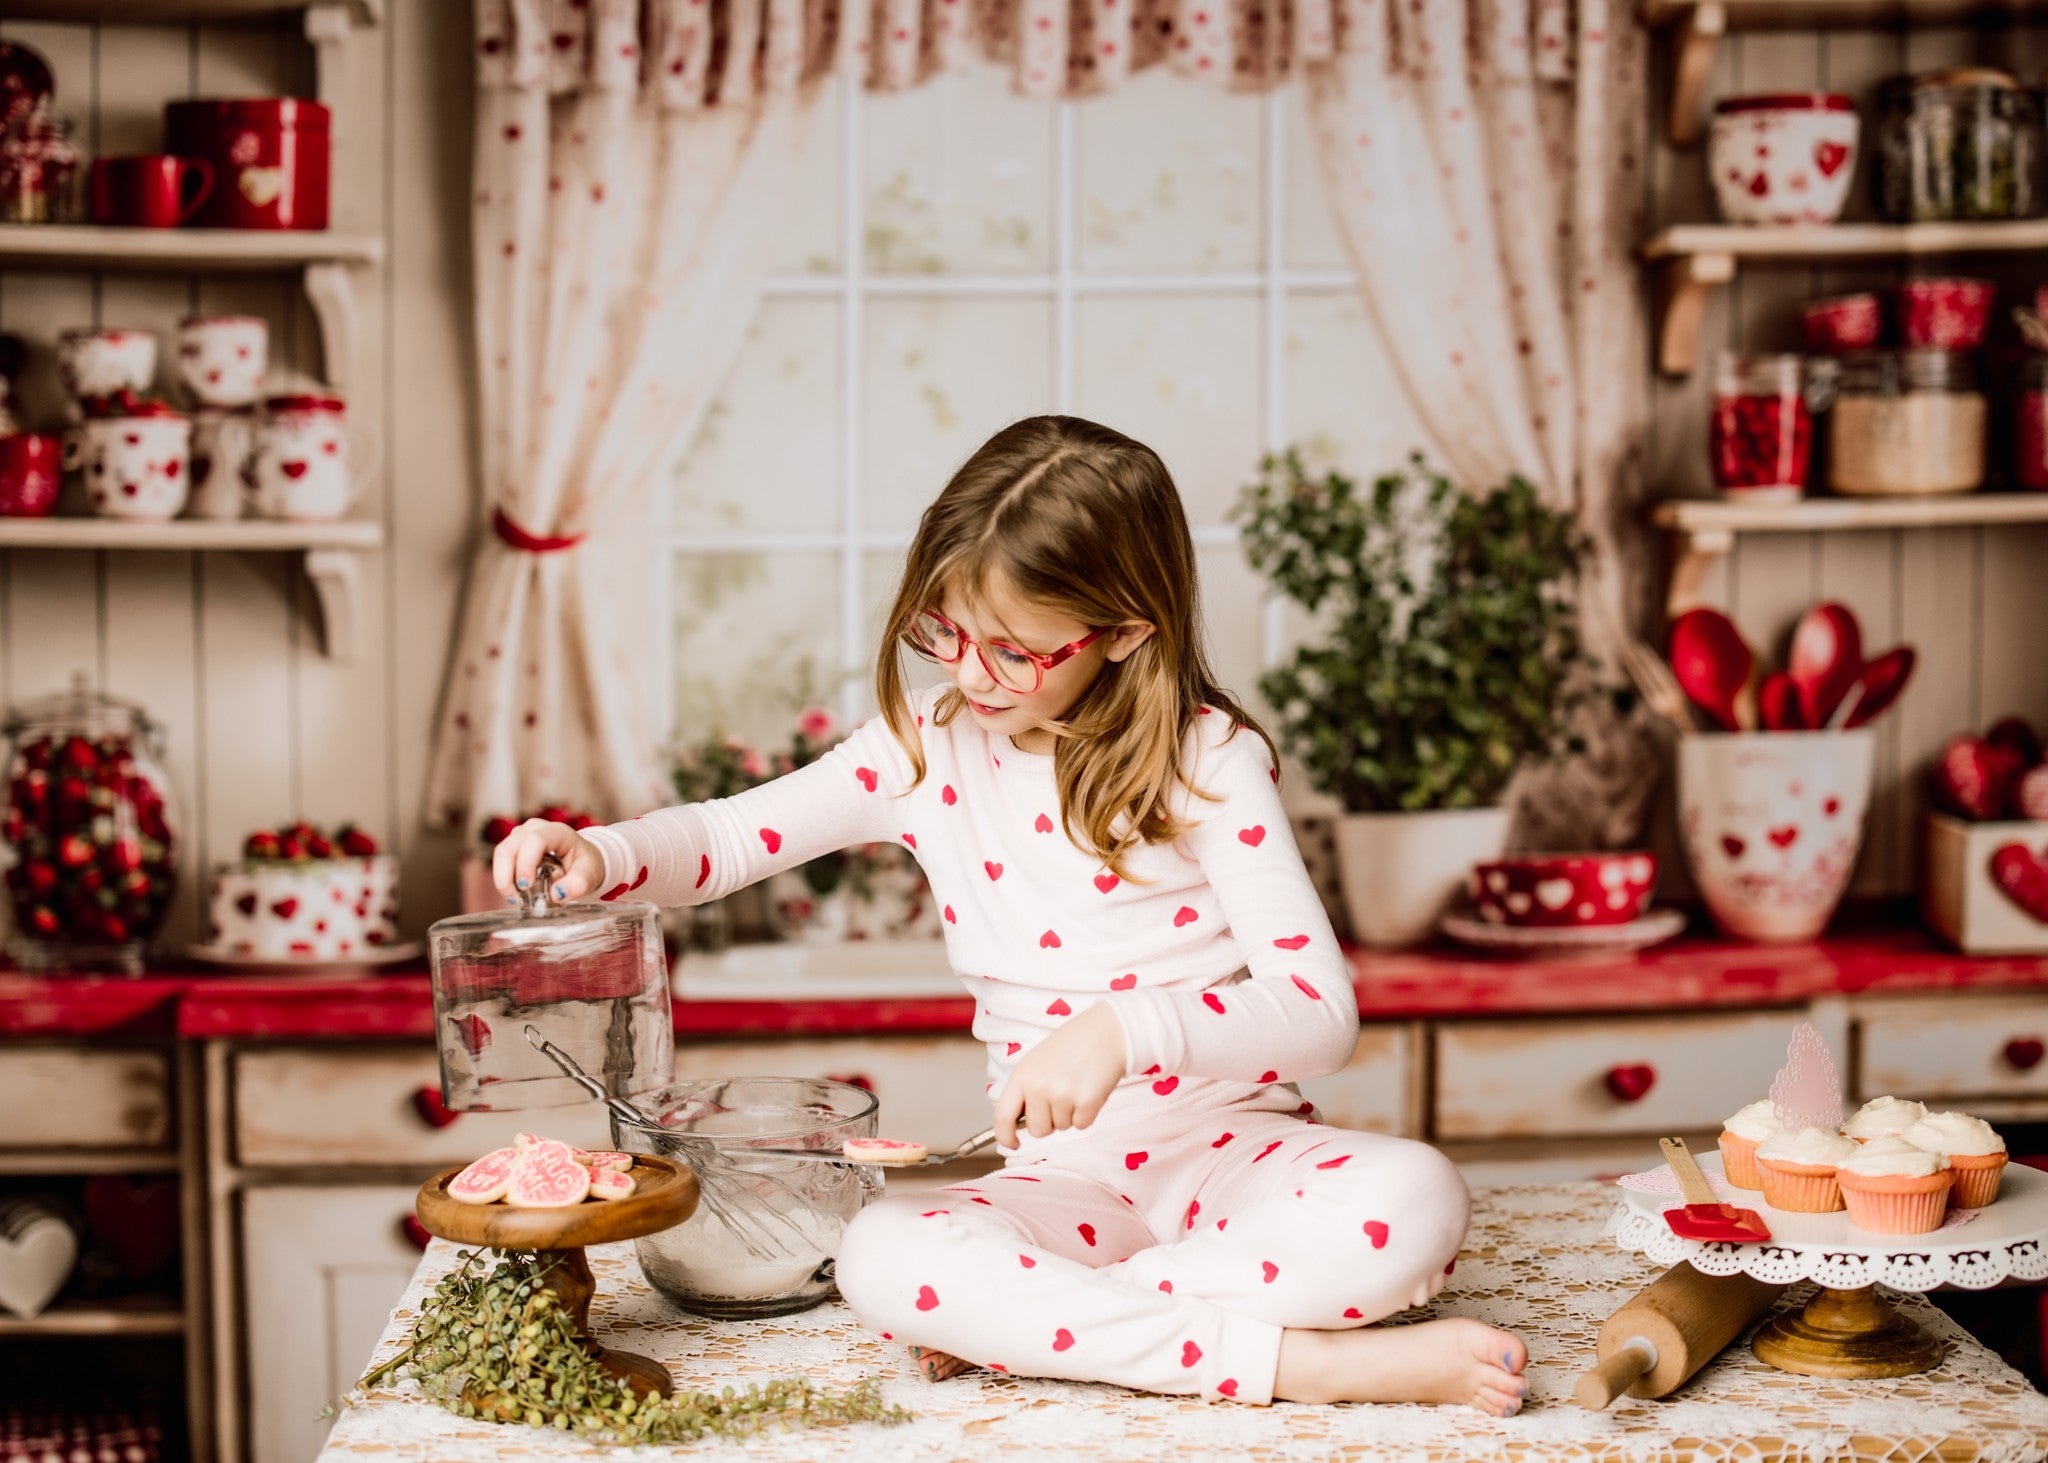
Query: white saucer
[1653, 928]
[372, 959]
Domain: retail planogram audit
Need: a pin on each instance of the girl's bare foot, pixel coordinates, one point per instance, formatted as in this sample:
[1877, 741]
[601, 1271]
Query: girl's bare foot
[1454, 1359]
[936, 1366]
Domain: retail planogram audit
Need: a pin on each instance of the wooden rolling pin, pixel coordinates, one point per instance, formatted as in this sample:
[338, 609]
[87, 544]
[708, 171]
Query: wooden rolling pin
[1671, 1328]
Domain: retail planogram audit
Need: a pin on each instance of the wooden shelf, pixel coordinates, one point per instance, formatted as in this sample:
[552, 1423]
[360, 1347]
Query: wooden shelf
[1700, 24]
[86, 246]
[332, 553]
[1697, 259]
[152, 1318]
[1706, 528]
[171, 12]
[87, 1160]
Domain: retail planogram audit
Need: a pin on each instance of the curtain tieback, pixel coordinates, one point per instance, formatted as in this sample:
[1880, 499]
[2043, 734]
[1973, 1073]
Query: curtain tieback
[532, 543]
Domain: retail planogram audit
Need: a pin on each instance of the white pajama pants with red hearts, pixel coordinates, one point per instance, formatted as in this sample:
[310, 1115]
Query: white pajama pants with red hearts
[1163, 1264]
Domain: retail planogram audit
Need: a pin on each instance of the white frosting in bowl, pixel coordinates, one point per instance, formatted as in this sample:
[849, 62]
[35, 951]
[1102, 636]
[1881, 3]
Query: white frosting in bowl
[1884, 1117]
[1954, 1132]
[1883, 1157]
[1756, 1122]
[1812, 1147]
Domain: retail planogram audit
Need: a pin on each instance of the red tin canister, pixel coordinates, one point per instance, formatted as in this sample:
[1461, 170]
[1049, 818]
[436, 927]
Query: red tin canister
[270, 157]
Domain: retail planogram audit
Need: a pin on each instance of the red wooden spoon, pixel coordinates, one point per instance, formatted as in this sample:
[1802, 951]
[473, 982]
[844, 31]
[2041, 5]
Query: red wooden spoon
[1778, 704]
[1826, 659]
[1712, 663]
[1880, 684]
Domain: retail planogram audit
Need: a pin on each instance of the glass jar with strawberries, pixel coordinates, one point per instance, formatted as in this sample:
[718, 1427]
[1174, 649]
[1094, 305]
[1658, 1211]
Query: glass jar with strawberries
[90, 832]
[2030, 421]
[1761, 432]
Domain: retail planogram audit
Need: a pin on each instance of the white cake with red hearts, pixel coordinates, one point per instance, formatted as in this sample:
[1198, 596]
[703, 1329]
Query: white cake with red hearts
[298, 894]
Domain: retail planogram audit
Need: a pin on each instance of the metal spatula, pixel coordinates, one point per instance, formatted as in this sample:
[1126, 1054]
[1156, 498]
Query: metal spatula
[1703, 1217]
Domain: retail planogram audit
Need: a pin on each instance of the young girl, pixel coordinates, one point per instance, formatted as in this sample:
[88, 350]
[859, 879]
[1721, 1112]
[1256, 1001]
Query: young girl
[1152, 971]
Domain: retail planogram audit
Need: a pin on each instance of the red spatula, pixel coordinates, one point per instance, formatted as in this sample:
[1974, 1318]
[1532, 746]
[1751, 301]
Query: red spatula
[1703, 1217]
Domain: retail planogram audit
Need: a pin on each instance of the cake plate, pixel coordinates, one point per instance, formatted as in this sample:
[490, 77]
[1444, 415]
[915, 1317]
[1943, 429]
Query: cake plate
[1848, 1329]
[664, 1194]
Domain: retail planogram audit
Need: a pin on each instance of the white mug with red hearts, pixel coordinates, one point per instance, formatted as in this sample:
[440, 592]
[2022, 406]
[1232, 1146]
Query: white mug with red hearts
[301, 467]
[1772, 822]
[137, 465]
[106, 362]
[1783, 158]
[222, 358]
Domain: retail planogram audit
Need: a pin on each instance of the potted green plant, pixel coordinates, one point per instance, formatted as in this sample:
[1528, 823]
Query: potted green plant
[1447, 657]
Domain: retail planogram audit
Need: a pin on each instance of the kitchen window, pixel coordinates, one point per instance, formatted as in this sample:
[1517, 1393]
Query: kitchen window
[1161, 260]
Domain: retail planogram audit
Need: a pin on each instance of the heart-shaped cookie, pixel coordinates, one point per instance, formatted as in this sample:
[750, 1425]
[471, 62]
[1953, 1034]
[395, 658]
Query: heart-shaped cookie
[37, 1251]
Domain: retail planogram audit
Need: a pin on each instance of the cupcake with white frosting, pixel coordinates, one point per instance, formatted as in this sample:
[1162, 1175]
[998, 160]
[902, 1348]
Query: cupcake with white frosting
[1883, 1117]
[1889, 1186]
[1739, 1136]
[1973, 1149]
[1798, 1169]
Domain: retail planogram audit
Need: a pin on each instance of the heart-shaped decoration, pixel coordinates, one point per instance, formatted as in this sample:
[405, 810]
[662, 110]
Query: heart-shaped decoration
[434, 1112]
[37, 1252]
[1785, 837]
[1732, 846]
[261, 186]
[1631, 1083]
[134, 1220]
[1062, 1339]
[2024, 1053]
[2022, 875]
[1553, 893]
[1829, 156]
[293, 469]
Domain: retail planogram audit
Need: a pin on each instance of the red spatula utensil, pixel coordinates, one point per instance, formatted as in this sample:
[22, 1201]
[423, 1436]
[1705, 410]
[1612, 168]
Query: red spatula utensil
[1703, 1217]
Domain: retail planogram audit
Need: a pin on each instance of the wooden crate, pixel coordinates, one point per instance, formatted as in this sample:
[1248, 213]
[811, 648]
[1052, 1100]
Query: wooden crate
[1958, 898]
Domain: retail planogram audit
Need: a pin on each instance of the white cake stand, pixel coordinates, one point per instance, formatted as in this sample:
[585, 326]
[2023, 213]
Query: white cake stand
[1848, 1329]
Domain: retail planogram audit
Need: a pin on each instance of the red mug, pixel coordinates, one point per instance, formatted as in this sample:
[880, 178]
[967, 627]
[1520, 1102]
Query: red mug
[30, 474]
[149, 190]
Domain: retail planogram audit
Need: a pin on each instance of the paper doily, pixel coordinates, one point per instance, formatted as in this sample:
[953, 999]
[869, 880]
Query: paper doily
[2006, 1241]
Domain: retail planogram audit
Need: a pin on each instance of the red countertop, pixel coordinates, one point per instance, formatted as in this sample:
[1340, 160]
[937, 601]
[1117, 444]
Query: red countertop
[1689, 973]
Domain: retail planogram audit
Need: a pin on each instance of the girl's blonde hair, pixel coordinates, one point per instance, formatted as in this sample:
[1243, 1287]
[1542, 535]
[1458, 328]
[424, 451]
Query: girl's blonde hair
[1079, 519]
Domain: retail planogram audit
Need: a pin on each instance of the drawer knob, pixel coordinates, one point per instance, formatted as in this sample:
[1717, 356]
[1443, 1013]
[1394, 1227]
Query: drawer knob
[2023, 1053]
[414, 1231]
[853, 1079]
[433, 1112]
[1631, 1083]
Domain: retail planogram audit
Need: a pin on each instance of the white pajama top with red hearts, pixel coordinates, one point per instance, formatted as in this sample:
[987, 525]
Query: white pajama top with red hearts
[1168, 1244]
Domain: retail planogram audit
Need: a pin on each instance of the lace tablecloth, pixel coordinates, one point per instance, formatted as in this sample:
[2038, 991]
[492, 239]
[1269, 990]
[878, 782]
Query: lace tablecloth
[1535, 1262]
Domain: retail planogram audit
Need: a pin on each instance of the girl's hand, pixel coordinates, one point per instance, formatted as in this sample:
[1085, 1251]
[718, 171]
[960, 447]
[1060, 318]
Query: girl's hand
[519, 854]
[1064, 1080]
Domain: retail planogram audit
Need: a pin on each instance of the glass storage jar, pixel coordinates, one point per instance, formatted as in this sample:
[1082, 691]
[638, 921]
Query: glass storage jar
[2030, 425]
[590, 977]
[90, 830]
[1761, 431]
[1964, 143]
[40, 177]
[1907, 422]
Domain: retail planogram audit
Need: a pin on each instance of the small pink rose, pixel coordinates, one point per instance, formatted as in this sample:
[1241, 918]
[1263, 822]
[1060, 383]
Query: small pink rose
[815, 723]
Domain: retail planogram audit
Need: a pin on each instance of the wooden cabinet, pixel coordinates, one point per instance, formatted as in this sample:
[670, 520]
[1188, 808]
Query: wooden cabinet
[322, 1267]
[1374, 1090]
[1951, 1051]
[63, 1096]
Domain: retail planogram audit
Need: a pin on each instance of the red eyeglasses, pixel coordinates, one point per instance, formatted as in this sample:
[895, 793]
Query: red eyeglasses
[1014, 668]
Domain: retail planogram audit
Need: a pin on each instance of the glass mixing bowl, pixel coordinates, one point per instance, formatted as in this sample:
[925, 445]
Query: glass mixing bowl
[762, 1239]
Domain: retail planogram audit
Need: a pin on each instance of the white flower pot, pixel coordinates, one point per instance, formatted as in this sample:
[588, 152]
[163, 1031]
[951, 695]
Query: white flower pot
[1772, 822]
[1400, 871]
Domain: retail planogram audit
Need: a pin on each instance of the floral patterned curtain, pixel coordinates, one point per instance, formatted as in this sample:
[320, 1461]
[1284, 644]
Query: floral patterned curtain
[630, 155]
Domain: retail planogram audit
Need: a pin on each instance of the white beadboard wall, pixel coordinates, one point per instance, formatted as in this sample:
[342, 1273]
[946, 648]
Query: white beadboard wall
[223, 648]
[264, 729]
[1972, 599]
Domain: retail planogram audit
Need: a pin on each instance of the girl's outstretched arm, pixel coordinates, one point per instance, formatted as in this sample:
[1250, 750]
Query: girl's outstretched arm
[1297, 1014]
[703, 851]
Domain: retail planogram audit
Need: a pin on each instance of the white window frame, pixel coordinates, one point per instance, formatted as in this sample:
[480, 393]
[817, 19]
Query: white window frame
[853, 284]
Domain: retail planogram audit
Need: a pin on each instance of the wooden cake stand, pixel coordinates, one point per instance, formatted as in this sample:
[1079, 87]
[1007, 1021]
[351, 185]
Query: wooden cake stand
[664, 1194]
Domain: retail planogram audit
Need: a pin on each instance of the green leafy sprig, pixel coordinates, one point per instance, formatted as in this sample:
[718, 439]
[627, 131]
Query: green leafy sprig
[495, 1343]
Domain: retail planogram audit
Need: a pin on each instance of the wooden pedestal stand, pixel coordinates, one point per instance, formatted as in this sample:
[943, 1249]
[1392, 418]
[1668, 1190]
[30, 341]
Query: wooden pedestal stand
[664, 1194]
[1847, 1333]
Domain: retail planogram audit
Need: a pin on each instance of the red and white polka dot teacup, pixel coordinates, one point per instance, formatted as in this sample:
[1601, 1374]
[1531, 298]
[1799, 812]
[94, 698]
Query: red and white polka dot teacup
[221, 358]
[307, 465]
[136, 465]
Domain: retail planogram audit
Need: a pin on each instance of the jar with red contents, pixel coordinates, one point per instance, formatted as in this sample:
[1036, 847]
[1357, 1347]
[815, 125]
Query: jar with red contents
[1761, 431]
[270, 156]
[2030, 423]
[90, 834]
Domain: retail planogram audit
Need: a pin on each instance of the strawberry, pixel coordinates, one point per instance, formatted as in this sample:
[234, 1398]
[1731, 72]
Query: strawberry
[580, 821]
[81, 754]
[41, 877]
[356, 843]
[262, 844]
[43, 919]
[74, 850]
[113, 927]
[2030, 794]
[319, 847]
[1975, 777]
[2015, 734]
[125, 854]
[90, 879]
[289, 847]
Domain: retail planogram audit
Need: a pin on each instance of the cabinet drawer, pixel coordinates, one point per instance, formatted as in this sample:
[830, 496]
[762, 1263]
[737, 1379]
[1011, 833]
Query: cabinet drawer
[1371, 1091]
[1926, 1050]
[80, 1097]
[1517, 1079]
[327, 1107]
[931, 1087]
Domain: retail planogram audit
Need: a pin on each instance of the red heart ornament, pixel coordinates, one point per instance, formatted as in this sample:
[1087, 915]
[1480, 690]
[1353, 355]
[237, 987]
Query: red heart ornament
[293, 470]
[432, 1110]
[2022, 875]
[2024, 1053]
[415, 1233]
[134, 1220]
[1630, 1083]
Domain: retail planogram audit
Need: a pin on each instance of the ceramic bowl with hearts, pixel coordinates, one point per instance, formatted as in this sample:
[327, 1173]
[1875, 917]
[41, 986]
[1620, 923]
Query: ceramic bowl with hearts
[1842, 323]
[1772, 823]
[1783, 158]
[1556, 890]
[1945, 314]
